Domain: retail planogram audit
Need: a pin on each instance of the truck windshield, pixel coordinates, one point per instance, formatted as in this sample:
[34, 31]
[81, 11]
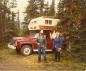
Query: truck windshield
[35, 35]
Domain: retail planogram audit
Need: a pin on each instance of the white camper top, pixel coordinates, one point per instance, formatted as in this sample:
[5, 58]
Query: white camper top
[43, 23]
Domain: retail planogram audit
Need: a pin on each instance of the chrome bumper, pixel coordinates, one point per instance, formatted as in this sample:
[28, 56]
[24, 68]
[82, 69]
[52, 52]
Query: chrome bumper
[11, 46]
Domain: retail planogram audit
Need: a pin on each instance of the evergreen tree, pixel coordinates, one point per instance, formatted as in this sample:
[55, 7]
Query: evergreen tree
[71, 12]
[46, 10]
[43, 8]
[51, 11]
[31, 10]
[73, 15]
[8, 28]
[36, 8]
[13, 3]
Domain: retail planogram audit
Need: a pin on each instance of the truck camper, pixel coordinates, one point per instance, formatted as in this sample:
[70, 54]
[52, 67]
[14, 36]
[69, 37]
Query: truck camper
[26, 45]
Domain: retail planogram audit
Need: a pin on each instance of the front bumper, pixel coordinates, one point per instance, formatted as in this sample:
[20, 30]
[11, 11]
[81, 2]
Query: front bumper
[11, 46]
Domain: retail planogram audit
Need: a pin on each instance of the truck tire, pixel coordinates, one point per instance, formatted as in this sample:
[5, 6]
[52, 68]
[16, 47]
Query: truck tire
[26, 50]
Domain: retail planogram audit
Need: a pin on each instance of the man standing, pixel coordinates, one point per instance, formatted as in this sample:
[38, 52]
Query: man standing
[42, 44]
[57, 43]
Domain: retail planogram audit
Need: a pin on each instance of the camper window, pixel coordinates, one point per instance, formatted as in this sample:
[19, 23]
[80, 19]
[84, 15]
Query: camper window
[48, 21]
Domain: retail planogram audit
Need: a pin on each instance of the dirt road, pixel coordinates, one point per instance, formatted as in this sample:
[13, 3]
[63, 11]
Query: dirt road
[11, 61]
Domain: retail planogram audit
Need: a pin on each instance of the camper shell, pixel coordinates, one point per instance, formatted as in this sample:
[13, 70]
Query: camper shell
[43, 23]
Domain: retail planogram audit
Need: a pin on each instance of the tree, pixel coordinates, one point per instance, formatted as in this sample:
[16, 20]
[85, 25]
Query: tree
[72, 14]
[73, 10]
[51, 12]
[7, 25]
[43, 8]
[31, 10]
[36, 8]
[13, 3]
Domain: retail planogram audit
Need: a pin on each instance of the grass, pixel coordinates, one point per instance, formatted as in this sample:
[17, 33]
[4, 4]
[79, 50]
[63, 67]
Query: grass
[10, 60]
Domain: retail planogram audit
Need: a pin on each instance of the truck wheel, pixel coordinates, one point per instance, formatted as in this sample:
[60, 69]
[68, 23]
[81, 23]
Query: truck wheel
[26, 50]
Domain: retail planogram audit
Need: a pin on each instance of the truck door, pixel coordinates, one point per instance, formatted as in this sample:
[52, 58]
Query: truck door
[49, 43]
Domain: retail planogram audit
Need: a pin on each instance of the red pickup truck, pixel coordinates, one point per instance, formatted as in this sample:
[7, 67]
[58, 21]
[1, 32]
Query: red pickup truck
[26, 45]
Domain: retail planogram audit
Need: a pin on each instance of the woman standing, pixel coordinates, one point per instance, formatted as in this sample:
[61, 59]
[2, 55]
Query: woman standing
[57, 44]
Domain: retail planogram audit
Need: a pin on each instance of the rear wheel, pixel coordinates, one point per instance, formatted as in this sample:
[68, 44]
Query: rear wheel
[26, 50]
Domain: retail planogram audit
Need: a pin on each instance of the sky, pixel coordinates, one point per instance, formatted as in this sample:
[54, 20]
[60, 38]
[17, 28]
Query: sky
[22, 4]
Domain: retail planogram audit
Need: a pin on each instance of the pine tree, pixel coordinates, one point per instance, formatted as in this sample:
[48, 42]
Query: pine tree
[13, 3]
[8, 28]
[36, 8]
[43, 7]
[46, 10]
[72, 13]
[51, 12]
[41, 3]
[31, 10]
